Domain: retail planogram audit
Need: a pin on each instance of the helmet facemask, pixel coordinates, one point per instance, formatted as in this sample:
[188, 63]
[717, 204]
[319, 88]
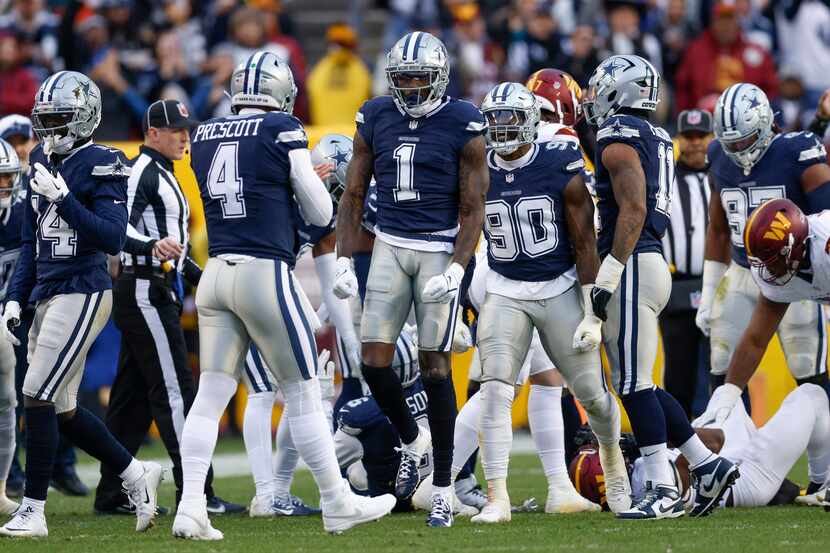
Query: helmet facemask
[508, 129]
[57, 129]
[9, 188]
[778, 268]
[416, 88]
[746, 151]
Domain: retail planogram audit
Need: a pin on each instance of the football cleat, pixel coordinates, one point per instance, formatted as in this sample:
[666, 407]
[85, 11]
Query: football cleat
[815, 499]
[192, 522]
[494, 512]
[351, 509]
[563, 500]
[293, 506]
[143, 495]
[69, 484]
[261, 507]
[440, 515]
[128, 510]
[218, 506]
[7, 506]
[658, 502]
[26, 523]
[408, 475]
[712, 479]
[469, 492]
[617, 485]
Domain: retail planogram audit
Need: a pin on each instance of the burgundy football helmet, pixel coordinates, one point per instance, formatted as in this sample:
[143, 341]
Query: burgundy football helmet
[558, 93]
[775, 239]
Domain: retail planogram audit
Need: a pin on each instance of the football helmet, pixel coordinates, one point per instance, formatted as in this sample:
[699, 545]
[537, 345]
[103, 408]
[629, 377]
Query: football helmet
[775, 238]
[67, 110]
[9, 165]
[417, 71]
[621, 82]
[337, 150]
[405, 360]
[512, 114]
[263, 81]
[743, 124]
[558, 93]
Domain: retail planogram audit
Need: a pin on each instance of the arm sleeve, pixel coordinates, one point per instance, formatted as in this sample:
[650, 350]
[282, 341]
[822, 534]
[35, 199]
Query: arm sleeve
[338, 309]
[24, 278]
[105, 227]
[312, 196]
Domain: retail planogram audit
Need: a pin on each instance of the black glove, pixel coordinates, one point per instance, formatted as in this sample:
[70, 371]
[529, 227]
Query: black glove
[191, 271]
[599, 302]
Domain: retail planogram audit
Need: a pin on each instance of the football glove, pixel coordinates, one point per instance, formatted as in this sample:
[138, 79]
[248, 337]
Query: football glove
[462, 340]
[721, 403]
[444, 287]
[588, 334]
[11, 319]
[608, 278]
[713, 271]
[52, 187]
[345, 281]
[325, 374]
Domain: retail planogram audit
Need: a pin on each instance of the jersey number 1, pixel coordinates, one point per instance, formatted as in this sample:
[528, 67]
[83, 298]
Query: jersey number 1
[405, 189]
[665, 155]
[223, 180]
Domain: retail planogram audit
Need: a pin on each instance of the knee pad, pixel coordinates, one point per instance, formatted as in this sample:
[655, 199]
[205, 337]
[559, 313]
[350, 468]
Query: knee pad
[803, 367]
[215, 392]
[302, 397]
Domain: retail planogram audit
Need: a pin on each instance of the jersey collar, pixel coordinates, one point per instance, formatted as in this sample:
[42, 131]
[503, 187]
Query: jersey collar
[157, 156]
[439, 106]
[499, 164]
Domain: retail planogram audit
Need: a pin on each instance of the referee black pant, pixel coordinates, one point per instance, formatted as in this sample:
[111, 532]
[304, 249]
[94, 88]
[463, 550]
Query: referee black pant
[683, 344]
[154, 380]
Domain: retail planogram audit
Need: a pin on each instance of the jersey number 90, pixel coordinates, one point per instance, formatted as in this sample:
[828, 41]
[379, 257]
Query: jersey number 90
[527, 227]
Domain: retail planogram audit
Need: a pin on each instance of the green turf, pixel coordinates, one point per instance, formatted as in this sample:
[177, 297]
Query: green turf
[73, 528]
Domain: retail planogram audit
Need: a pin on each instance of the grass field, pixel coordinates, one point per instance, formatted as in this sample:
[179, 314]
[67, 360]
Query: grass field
[73, 528]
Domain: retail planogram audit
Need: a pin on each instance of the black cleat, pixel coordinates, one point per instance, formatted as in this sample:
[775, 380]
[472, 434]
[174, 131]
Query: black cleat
[68, 483]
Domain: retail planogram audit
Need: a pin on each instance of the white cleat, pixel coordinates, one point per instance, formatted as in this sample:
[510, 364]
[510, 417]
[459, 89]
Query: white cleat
[351, 509]
[7, 506]
[562, 500]
[26, 523]
[192, 522]
[496, 511]
[617, 485]
[143, 495]
[261, 507]
[469, 493]
[817, 499]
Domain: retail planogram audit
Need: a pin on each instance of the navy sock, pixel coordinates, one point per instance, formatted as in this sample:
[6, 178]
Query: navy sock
[41, 447]
[678, 427]
[441, 413]
[647, 419]
[716, 380]
[572, 420]
[388, 393]
[349, 390]
[89, 433]
[362, 262]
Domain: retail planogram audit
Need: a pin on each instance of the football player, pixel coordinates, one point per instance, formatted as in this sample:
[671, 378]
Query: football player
[11, 217]
[250, 167]
[749, 164]
[533, 283]
[426, 152]
[634, 175]
[75, 214]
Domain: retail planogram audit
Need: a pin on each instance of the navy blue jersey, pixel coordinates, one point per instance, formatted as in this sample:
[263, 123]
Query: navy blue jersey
[527, 236]
[243, 170]
[359, 415]
[65, 245]
[309, 235]
[654, 146]
[416, 165]
[776, 175]
[11, 222]
[370, 208]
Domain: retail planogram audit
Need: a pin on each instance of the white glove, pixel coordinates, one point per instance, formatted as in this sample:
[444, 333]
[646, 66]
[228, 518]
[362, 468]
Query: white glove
[462, 340]
[444, 287]
[345, 281]
[325, 374]
[51, 186]
[588, 334]
[713, 271]
[11, 319]
[721, 403]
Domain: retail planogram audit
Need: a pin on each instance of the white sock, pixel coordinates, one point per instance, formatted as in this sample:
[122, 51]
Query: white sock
[544, 412]
[656, 464]
[7, 441]
[446, 492]
[695, 452]
[496, 430]
[37, 505]
[133, 472]
[286, 459]
[465, 439]
[256, 431]
[312, 436]
[201, 429]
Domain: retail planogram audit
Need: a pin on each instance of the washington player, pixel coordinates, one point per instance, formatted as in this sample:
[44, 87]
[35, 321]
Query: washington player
[426, 152]
[11, 217]
[750, 164]
[559, 98]
[634, 176]
[538, 210]
[250, 167]
[75, 215]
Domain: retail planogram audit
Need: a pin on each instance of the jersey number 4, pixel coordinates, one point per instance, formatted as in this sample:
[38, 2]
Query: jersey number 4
[527, 227]
[53, 229]
[223, 180]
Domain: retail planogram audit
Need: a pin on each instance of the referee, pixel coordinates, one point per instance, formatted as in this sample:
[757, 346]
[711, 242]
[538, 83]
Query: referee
[154, 381]
[684, 345]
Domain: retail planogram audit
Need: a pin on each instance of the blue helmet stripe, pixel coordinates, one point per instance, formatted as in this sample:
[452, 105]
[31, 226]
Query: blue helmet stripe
[416, 46]
[732, 103]
[247, 72]
[54, 84]
[406, 46]
[258, 71]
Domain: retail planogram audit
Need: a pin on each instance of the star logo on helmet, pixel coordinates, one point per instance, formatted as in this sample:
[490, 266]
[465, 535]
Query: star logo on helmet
[340, 157]
[617, 63]
[753, 101]
[81, 89]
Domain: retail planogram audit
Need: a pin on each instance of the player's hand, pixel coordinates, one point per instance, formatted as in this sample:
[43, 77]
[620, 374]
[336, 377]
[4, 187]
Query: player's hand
[462, 340]
[11, 320]
[345, 281]
[608, 278]
[323, 170]
[721, 403]
[444, 287]
[167, 248]
[52, 187]
[588, 334]
[703, 317]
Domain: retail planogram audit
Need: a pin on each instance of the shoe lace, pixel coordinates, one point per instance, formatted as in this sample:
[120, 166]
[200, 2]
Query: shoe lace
[409, 462]
[648, 499]
[23, 515]
[441, 507]
[296, 501]
[134, 495]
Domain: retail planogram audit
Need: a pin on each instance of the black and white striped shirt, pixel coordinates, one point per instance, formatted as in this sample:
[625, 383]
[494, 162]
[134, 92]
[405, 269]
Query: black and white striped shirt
[157, 208]
[685, 236]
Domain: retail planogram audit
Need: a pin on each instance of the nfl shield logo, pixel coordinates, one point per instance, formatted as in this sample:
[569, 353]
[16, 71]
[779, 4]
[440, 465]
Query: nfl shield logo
[509, 177]
[413, 125]
[694, 117]
[182, 110]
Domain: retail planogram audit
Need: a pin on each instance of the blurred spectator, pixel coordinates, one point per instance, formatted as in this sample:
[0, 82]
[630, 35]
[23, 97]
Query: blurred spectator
[340, 82]
[408, 15]
[17, 131]
[803, 29]
[796, 108]
[675, 31]
[17, 84]
[475, 58]
[625, 36]
[534, 43]
[721, 57]
[580, 56]
[37, 29]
